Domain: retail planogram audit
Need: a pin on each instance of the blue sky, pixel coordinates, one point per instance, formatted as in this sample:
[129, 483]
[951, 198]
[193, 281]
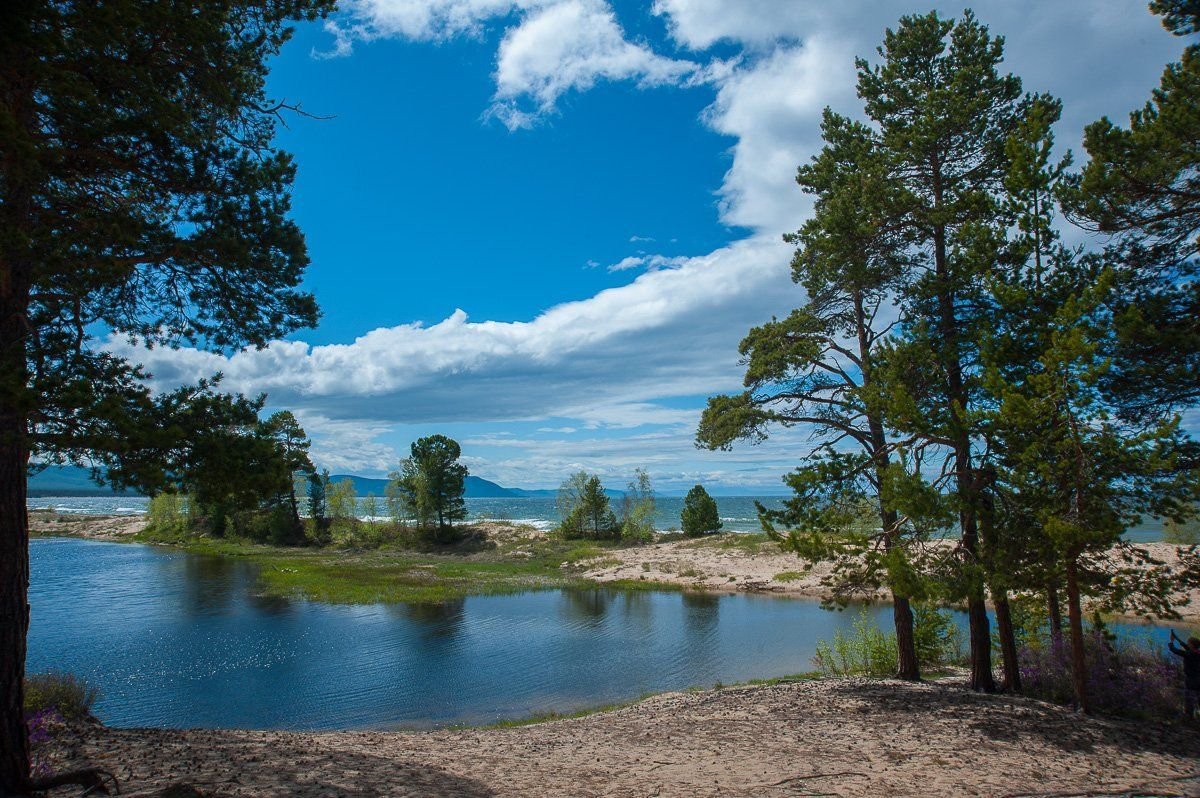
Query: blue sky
[542, 226]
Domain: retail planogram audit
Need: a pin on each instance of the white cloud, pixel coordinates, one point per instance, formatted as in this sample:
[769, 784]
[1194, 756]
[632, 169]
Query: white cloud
[420, 19]
[570, 46]
[647, 262]
[671, 332]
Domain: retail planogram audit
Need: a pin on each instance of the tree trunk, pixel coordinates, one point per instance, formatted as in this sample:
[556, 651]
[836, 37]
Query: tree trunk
[14, 554]
[1054, 611]
[1008, 642]
[907, 665]
[1075, 621]
[14, 607]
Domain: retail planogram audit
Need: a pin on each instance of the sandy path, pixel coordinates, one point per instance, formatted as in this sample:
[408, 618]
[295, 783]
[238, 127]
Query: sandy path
[829, 737]
[707, 565]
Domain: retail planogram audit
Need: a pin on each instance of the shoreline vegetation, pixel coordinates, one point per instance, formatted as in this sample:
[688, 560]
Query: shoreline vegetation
[496, 557]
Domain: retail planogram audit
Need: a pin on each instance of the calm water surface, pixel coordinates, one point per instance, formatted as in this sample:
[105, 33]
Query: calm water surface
[175, 639]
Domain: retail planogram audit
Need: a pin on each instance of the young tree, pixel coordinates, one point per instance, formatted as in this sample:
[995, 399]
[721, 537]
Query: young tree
[699, 515]
[317, 504]
[433, 482]
[638, 508]
[371, 509]
[293, 444]
[139, 192]
[342, 500]
[584, 509]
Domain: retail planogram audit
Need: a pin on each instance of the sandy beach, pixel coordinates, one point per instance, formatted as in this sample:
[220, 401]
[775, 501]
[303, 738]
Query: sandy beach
[843, 737]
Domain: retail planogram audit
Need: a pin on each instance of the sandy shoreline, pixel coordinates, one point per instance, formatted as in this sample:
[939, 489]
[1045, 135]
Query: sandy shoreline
[826, 737]
[707, 565]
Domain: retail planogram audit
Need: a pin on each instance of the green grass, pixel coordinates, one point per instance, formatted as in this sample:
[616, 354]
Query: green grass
[389, 574]
[746, 542]
[789, 576]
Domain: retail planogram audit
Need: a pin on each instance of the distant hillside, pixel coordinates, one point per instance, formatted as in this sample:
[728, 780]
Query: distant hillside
[76, 481]
[68, 481]
[477, 487]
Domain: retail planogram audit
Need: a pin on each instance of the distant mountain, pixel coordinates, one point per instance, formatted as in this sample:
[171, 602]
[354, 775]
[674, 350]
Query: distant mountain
[76, 481]
[68, 480]
[477, 487]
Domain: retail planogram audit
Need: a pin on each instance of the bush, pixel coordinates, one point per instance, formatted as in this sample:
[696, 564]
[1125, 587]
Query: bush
[870, 651]
[68, 695]
[169, 513]
[1132, 678]
[1182, 533]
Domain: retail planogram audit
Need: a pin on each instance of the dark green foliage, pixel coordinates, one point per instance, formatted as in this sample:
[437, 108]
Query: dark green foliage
[431, 486]
[584, 510]
[699, 515]
[1141, 185]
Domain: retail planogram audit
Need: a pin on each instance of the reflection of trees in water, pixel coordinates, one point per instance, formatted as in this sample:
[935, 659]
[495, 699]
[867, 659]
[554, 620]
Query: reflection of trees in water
[586, 605]
[209, 583]
[270, 605]
[638, 606]
[214, 584]
[435, 619]
[701, 612]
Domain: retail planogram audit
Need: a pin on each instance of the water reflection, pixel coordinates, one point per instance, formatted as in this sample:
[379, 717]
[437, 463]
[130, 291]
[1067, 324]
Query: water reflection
[434, 619]
[586, 606]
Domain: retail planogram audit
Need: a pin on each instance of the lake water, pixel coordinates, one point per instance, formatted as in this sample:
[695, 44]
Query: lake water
[738, 513]
[183, 640]
[175, 639]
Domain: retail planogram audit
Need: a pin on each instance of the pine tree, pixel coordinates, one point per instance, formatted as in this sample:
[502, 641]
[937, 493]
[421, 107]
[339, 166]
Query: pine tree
[818, 367]
[943, 113]
[699, 515]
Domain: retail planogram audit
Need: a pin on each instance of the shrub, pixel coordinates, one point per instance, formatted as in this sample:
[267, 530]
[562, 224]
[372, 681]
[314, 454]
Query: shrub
[870, 651]
[70, 696]
[40, 725]
[168, 513]
[1124, 677]
[1182, 533]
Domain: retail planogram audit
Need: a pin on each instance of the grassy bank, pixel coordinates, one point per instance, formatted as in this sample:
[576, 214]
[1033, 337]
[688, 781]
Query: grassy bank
[495, 559]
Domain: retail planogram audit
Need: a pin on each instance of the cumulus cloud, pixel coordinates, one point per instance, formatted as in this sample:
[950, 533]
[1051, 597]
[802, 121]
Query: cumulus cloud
[670, 332]
[569, 46]
[550, 47]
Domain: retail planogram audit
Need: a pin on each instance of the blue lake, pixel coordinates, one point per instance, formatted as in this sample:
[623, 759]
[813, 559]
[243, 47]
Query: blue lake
[183, 640]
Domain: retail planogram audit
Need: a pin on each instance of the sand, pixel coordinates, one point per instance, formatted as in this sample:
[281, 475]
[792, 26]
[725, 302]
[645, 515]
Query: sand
[843, 737]
[100, 527]
[707, 565]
